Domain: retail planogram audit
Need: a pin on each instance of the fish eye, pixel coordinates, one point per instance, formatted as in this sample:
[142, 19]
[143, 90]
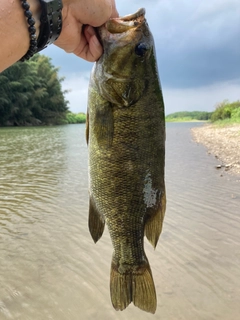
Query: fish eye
[141, 49]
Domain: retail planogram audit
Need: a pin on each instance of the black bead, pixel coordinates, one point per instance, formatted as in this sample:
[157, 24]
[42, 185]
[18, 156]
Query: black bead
[28, 13]
[33, 36]
[33, 43]
[32, 30]
[31, 21]
[25, 5]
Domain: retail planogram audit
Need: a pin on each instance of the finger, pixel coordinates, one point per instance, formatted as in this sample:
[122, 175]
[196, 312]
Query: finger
[95, 48]
[90, 49]
[114, 10]
[89, 31]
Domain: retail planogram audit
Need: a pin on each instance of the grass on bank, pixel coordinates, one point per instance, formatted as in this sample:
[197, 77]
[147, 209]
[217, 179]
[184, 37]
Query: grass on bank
[226, 122]
[226, 113]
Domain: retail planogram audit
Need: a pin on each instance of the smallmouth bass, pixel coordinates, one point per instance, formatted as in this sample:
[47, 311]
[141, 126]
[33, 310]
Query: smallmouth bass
[126, 141]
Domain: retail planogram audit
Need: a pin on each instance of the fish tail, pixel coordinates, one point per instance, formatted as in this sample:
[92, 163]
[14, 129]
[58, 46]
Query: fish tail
[137, 287]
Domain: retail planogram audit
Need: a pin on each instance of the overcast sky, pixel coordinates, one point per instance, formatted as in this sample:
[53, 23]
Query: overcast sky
[198, 52]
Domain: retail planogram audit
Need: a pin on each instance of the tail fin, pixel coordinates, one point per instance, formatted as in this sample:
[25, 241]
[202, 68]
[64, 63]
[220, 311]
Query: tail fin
[137, 287]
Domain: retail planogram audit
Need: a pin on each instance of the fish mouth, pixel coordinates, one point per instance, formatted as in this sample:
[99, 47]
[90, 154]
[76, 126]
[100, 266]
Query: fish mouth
[123, 24]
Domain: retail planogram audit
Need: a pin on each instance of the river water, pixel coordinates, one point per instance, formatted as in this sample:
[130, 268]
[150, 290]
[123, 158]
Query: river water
[51, 269]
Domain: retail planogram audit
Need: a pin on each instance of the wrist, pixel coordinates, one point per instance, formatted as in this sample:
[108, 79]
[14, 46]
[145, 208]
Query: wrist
[44, 20]
[50, 22]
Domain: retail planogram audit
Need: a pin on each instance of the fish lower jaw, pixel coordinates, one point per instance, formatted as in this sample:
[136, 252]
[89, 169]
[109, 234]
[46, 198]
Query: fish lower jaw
[123, 24]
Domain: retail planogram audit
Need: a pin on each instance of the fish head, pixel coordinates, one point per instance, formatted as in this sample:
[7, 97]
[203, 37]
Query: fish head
[122, 70]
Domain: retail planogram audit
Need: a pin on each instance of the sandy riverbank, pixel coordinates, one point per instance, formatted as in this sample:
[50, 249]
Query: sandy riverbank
[224, 143]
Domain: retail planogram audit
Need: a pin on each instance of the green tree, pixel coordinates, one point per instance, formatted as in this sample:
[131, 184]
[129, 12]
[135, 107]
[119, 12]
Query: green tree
[75, 118]
[49, 103]
[15, 91]
[31, 93]
[226, 110]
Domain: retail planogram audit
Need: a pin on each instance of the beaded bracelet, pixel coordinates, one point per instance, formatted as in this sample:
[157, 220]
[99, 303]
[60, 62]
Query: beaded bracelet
[32, 32]
[50, 25]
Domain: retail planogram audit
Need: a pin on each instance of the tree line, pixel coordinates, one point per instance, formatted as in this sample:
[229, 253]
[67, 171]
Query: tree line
[226, 111]
[31, 94]
[189, 115]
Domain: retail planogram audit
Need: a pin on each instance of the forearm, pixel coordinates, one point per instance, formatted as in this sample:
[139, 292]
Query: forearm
[78, 36]
[14, 34]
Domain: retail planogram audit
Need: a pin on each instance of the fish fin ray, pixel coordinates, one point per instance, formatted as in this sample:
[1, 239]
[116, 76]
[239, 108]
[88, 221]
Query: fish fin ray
[133, 287]
[96, 221]
[143, 293]
[153, 226]
[120, 289]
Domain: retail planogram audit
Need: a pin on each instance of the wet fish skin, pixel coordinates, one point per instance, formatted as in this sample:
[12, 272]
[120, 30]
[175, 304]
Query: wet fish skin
[126, 140]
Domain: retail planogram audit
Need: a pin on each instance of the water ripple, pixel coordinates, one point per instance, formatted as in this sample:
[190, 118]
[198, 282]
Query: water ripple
[51, 269]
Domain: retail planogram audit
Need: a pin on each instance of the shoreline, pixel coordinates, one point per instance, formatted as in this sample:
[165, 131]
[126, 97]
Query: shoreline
[192, 120]
[223, 143]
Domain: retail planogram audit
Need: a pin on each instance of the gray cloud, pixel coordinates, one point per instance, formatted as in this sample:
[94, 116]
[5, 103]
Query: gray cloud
[68, 63]
[197, 42]
[197, 45]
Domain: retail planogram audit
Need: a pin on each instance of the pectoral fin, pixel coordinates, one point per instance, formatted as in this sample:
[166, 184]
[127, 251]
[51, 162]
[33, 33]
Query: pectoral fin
[153, 226]
[96, 221]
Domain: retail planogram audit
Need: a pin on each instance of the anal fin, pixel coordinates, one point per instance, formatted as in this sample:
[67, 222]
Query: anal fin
[96, 221]
[153, 226]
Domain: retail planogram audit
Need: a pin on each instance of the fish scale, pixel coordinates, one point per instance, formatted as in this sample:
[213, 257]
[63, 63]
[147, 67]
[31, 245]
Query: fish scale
[126, 141]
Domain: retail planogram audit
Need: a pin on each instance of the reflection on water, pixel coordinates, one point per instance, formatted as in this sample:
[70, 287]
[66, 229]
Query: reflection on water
[51, 269]
[32, 162]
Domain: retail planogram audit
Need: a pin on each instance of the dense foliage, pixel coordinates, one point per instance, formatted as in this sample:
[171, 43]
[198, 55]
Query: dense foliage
[189, 116]
[227, 111]
[31, 93]
[75, 118]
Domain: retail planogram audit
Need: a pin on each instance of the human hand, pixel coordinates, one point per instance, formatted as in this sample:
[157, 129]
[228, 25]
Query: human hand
[78, 19]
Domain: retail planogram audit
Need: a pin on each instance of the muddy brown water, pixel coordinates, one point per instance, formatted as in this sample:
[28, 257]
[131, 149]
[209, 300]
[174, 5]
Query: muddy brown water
[51, 269]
